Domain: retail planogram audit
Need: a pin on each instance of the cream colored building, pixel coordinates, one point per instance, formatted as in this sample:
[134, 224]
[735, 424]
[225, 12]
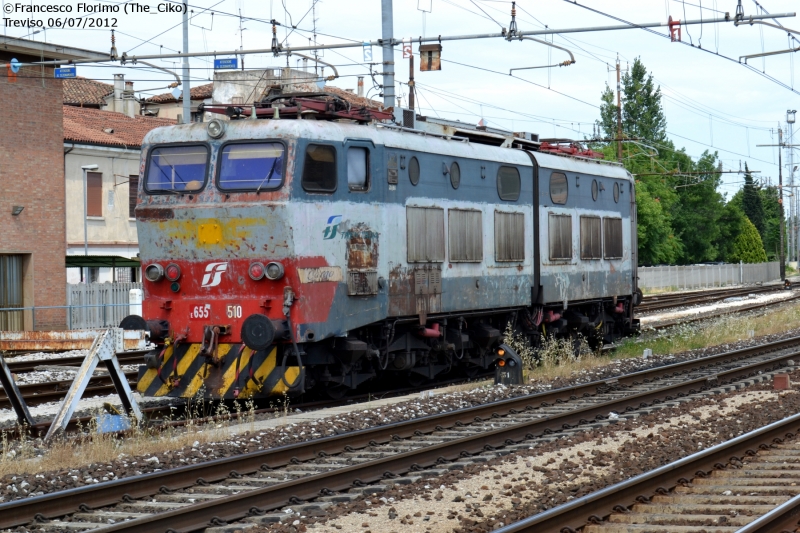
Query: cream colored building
[107, 194]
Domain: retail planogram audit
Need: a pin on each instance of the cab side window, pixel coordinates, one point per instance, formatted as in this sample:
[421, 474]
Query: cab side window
[357, 168]
[319, 168]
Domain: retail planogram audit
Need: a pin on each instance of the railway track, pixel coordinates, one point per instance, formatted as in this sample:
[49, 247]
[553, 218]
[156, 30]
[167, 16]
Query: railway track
[719, 312]
[18, 367]
[657, 302]
[748, 484]
[247, 486]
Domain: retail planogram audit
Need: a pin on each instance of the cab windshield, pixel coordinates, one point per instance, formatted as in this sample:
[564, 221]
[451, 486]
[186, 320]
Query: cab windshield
[177, 169]
[251, 166]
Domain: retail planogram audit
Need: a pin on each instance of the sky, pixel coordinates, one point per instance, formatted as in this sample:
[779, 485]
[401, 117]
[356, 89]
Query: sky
[711, 101]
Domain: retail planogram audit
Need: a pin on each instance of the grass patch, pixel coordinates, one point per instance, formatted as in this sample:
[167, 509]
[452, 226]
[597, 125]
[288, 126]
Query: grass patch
[712, 332]
[29, 456]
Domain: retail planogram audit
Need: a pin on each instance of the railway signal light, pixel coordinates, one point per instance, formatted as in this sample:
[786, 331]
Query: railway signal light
[274, 271]
[154, 272]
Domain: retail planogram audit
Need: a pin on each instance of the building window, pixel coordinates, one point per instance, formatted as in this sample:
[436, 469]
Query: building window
[591, 247]
[319, 168]
[558, 188]
[413, 171]
[357, 169]
[613, 238]
[94, 194]
[508, 183]
[133, 188]
[425, 234]
[509, 236]
[466, 235]
[560, 232]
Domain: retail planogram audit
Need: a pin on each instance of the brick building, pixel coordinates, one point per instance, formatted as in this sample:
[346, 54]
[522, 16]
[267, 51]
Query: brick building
[32, 204]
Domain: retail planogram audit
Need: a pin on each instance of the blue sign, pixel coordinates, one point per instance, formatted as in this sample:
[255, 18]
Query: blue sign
[15, 64]
[66, 72]
[230, 62]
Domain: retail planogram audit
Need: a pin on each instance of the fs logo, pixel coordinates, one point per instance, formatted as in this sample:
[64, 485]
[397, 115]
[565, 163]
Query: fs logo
[330, 230]
[213, 274]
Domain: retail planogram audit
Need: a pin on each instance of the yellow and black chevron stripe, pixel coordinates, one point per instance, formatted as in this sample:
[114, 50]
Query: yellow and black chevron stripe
[183, 373]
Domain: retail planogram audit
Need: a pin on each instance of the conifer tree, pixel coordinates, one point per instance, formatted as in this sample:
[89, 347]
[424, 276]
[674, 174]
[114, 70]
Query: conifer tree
[747, 246]
[751, 202]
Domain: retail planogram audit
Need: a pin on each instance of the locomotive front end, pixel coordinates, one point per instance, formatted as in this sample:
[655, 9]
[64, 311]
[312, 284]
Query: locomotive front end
[216, 251]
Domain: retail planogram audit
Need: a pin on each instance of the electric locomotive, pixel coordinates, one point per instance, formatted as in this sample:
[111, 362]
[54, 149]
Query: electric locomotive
[282, 254]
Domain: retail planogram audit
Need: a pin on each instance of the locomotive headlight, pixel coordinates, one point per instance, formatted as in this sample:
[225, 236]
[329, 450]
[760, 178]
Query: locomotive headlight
[256, 271]
[172, 272]
[274, 271]
[154, 272]
[215, 128]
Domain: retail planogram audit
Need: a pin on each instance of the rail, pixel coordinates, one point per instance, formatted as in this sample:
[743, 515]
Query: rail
[197, 516]
[577, 513]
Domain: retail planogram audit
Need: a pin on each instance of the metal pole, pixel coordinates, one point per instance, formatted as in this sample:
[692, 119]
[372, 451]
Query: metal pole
[619, 115]
[387, 41]
[85, 226]
[411, 82]
[780, 203]
[187, 93]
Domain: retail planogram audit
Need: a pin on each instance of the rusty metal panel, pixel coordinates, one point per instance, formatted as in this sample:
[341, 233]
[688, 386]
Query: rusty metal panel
[509, 236]
[425, 238]
[560, 236]
[362, 283]
[430, 57]
[65, 340]
[591, 245]
[465, 234]
[613, 238]
[428, 289]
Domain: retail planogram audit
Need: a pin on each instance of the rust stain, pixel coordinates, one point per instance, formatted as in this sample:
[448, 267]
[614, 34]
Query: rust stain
[63, 340]
[154, 213]
[362, 247]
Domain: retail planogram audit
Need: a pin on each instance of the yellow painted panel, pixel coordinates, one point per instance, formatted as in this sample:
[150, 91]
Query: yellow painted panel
[151, 374]
[230, 375]
[261, 373]
[210, 233]
[291, 376]
[183, 365]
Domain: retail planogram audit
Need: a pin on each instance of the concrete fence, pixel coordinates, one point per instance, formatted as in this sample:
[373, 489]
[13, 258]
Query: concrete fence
[700, 276]
[96, 305]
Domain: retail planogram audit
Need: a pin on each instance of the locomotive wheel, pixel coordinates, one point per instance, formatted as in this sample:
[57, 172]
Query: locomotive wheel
[416, 380]
[336, 392]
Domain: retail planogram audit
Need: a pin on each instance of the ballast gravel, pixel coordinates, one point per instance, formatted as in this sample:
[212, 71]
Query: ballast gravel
[359, 418]
[483, 497]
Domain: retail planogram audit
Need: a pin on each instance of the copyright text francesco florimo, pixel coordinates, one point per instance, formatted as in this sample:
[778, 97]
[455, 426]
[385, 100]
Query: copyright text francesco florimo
[79, 15]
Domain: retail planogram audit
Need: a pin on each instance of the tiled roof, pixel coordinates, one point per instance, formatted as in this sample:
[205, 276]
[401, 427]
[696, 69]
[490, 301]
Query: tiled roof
[201, 92]
[82, 92]
[85, 125]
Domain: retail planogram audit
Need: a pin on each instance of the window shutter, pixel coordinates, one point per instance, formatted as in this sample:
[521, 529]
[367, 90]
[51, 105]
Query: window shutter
[133, 187]
[94, 194]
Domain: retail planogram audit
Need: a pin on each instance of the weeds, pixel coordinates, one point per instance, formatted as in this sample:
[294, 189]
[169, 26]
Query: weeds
[555, 357]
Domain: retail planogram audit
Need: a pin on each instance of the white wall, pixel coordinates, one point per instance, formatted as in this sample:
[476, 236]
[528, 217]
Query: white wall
[114, 233]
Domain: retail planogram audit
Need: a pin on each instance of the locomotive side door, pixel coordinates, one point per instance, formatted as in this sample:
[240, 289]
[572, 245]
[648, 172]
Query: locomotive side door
[361, 238]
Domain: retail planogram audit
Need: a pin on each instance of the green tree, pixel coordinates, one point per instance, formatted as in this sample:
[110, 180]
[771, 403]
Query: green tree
[730, 226]
[642, 114]
[751, 202]
[748, 246]
[772, 222]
